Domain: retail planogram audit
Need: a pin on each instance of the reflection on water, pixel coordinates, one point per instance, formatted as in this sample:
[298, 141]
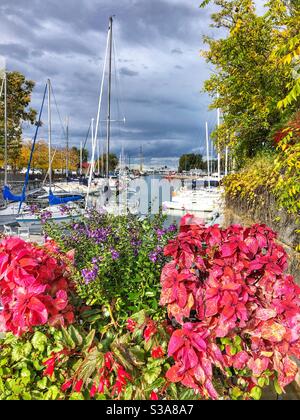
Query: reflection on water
[145, 196]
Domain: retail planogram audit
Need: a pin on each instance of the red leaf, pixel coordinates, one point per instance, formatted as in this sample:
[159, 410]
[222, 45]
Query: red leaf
[265, 314]
[172, 374]
[228, 250]
[252, 245]
[272, 331]
[176, 342]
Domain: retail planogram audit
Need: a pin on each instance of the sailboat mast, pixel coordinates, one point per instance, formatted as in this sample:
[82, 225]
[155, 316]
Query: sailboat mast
[208, 157]
[49, 135]
[226, 160]
[5, 128]
[81, 158]
[67, 154]
[219, 154]
[109, 94]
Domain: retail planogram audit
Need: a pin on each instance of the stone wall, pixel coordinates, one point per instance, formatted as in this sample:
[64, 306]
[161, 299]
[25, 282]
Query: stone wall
[242, 212]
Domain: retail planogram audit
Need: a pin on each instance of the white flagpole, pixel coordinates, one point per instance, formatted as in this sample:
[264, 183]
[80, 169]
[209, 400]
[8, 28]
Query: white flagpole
[219, 154]
[101, 90]
[207, 154]
[226, 161]
[92, 164]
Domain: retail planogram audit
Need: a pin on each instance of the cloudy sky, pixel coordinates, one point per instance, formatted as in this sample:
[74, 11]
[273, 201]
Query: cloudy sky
[159, 70]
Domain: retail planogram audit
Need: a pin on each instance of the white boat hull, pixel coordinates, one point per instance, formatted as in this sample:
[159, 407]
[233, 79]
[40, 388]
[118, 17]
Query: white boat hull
[34, 220]
[195, 201]
[9, 214]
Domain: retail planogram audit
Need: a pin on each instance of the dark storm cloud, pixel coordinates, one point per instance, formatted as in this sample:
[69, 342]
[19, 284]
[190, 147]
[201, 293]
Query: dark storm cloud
[14, 50]
[65, 40]
[177, 51]
[125, 71]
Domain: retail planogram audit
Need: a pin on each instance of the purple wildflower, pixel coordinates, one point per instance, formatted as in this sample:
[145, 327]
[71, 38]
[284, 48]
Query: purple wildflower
[160, 233]
[33, 209]
[45, 216]
[99, 235]
[172, 228]
[65, 210]
[90, 275]
[154, 255]
[115, 254]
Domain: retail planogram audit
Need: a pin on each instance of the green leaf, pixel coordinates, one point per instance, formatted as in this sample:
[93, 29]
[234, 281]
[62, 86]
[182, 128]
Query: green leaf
[236, 393]
[39, 341]
[1, 385]
[67, 340]
[128, 393]
[52, 393]
[140, 317]
[37, 365]
[277, 387]
[76, 396]
[42, 384]
[188, 395]
[88, 340]
[25, 375]
[256, 393]
[137, 356]
[17, 353]
[152, 374]
[75, 336]
[92, 362]
[27, 349]
[237, 341]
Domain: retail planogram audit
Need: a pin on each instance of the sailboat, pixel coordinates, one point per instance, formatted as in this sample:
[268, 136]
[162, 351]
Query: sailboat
[9, 208]
[113, 184]
[56, 209]
[204, 200]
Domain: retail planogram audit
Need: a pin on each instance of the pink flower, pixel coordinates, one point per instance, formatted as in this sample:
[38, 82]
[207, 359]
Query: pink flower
[150, 330]
[67, 385]
[78, 386]
[131, 325]
[157, 353]
[50, 366]
[153, 396]
[93, 391]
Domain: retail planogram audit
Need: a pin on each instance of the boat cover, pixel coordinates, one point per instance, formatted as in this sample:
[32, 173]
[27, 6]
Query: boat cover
[54, 201]
[8, 195]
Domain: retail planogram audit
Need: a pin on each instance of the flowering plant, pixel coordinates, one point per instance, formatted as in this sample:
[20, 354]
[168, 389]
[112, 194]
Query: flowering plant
[118, 261]
[34, 286]
[237, 312]
[130, 366]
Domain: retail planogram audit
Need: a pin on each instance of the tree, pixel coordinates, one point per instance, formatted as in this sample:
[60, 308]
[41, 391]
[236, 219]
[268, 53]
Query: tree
[40, 159]
[85, 154]
[19, 92]
[249, 81]
[289, 51]
[112, 162]
[191, 161]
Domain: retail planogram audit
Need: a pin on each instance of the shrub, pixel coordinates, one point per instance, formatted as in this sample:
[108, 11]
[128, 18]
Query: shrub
[232, 324]
[34, 286]
[277, 173]
[118, 261]
[236, 310]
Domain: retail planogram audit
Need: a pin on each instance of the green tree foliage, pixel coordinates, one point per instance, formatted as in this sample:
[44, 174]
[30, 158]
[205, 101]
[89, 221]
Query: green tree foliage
[19, 92]
[85, 154]
[289, 52]
[191, 161]
[113, 162]
[249, 80]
